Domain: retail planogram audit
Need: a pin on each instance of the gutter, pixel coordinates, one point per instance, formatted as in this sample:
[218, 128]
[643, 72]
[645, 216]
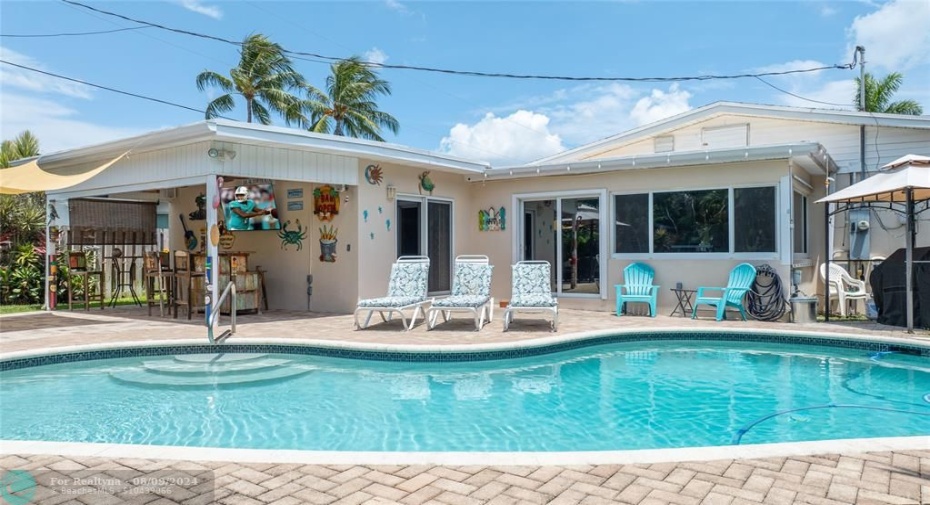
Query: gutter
[814, 150]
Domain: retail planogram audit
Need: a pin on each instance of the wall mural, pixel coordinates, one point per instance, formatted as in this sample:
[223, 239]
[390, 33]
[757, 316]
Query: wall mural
[426, 184]
[328, 243]
[294, 237]
[374, 174]
[492, 220]
[326, 202]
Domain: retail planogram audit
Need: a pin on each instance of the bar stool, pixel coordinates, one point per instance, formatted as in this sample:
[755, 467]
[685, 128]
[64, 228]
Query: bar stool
[158, 282]
[184, 276]
[77, 269]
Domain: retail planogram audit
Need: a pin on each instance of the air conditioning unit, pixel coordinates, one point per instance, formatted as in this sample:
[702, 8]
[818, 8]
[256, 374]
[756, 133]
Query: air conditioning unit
[169, 193]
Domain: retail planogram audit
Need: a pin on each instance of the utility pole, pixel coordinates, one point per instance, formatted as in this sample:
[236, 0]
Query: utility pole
[862, 170]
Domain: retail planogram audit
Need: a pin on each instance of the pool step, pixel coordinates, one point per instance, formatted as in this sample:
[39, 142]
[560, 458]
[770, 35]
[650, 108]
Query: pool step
[171, 367]
[141, 378]
[217, 358]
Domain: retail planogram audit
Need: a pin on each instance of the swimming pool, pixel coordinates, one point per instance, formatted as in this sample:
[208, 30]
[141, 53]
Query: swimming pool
[602, 394]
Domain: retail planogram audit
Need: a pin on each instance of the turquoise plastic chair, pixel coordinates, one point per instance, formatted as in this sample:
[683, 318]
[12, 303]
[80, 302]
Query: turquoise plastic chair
[741, 279]
[638, 288]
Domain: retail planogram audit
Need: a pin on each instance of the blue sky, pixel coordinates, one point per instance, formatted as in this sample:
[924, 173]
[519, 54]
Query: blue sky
[499, 120]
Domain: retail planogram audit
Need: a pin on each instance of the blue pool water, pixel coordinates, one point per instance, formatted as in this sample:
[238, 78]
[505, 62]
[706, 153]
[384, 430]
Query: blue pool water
[619, 396]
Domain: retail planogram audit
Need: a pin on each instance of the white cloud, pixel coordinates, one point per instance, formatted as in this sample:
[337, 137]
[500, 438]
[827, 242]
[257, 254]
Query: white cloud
[597, 112]
[895, 36]
[199, 7]
[53, 123]
[810, 88]
[832, 95]
[827, 11]
[660, 105]
[519, 137]
[375, 55]
[394, 5]
[21, 78]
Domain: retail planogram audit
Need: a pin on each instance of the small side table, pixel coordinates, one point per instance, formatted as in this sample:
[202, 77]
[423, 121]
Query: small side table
[685, 298]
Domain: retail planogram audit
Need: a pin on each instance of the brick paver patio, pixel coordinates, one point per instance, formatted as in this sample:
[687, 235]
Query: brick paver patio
[898, 477]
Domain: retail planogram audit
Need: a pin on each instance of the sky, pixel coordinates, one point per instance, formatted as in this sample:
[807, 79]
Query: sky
[497, 120]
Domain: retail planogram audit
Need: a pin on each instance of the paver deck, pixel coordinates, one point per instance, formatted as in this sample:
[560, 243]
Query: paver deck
[901, 477]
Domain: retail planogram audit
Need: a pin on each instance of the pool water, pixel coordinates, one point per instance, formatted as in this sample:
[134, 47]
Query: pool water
[611, 397]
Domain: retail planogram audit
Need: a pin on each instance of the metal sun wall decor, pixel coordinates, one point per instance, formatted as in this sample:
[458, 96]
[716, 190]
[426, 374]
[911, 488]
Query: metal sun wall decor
[492, 220]
[426, 184]
[289, 237]
[326, 202]
[374, 175]
[328, 243]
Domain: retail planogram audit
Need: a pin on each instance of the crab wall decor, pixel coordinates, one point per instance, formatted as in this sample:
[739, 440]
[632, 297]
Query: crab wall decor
[294, 237]
[374, 174]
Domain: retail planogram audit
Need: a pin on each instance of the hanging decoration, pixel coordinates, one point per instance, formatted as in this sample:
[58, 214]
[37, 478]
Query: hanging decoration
[374, 174]
[380, 210]
[289, 237]
[387, 222]
[219, 189]
[372, 235]
[201, 213]
[426, 184]
[326, 202]
[365, 215]
[492, 220]
[328, 244]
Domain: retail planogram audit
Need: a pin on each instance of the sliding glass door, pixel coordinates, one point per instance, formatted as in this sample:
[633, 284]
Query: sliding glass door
[424, 228]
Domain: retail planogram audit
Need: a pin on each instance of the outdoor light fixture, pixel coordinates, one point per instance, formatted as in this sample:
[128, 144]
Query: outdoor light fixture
[221, 153]
[391, 192]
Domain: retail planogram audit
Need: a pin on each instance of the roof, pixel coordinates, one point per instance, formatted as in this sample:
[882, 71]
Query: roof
[256, 134]
[811, 156]
[746, 109]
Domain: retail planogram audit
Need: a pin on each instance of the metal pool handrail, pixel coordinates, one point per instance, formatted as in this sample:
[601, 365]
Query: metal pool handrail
[215, 316]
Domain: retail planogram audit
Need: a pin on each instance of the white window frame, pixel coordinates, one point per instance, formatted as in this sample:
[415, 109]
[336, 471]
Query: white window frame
[805, 194]
[424, 228]
[613, 221]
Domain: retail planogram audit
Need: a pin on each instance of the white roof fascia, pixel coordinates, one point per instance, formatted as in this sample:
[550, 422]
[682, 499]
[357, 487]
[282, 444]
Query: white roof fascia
[250, 133]
[345, 146]
[811, 150]
[746, 109]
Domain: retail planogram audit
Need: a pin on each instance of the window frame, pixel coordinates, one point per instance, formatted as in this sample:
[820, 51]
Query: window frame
[652, 255]
[804, 193]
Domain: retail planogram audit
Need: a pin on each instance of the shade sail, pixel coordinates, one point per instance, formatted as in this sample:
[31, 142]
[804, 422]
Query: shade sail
[889, 185]
[30, 177]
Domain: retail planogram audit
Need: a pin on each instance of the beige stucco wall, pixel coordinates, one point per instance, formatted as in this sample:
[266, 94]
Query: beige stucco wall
[710, 271]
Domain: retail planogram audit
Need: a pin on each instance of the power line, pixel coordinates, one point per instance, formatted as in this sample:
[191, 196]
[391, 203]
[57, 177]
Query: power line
[801, 97]
[114, 90]
[72, 34]
[471, 73]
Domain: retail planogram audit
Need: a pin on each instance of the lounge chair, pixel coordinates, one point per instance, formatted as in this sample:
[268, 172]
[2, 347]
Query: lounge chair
[638, 287]
[532, 292]
[406, 290]
[843, 287]
[471, 292]
[741, 280]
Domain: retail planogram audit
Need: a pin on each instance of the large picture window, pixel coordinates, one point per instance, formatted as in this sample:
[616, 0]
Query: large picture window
[631, 225]
[691, 221]
[699, 221]
[754, 220]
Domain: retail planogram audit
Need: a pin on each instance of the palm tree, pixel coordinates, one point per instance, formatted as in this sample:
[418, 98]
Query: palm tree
[25, 145]
[878, 96]
[264, 78]
[348, 106]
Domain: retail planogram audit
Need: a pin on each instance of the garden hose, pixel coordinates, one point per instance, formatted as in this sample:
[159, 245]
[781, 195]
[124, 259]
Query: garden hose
[767, 299]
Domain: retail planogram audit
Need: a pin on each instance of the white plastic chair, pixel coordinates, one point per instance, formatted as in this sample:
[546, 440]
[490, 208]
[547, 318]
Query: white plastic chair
[843, 287]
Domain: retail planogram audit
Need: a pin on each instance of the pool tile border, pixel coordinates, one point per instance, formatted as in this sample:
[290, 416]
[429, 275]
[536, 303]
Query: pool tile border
[455, 353]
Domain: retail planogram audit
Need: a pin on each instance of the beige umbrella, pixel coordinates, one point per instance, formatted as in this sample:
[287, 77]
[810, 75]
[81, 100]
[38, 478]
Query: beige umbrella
[905, 180]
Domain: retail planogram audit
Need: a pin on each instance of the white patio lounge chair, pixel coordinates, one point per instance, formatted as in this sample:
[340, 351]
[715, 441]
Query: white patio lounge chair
[843, 287]
[471, 292]
[406, 290]
[531, 292]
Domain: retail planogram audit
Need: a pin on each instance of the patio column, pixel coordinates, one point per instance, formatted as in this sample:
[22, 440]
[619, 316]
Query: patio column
[910, 239]
[211, 289]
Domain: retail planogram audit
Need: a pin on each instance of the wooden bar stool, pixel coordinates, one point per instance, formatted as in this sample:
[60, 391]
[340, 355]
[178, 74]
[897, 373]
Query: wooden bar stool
[158, 282]
[77, 269]
[184, 277]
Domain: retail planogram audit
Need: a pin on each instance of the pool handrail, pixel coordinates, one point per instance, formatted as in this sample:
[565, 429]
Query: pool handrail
[215, 316]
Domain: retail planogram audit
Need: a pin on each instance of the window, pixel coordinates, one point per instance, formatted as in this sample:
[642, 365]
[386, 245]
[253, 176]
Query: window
[691, 221]
[631, 224]
[754, 219]
[799, 216]
[665, 144]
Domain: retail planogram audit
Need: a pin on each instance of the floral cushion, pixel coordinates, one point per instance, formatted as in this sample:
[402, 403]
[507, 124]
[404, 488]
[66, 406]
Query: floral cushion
[390, 301]
[531, 279]
[541, 300]
[461, 301]
[472, 279]
[409, 280]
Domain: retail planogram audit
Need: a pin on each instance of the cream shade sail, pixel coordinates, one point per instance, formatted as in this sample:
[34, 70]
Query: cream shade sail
[30, 177]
